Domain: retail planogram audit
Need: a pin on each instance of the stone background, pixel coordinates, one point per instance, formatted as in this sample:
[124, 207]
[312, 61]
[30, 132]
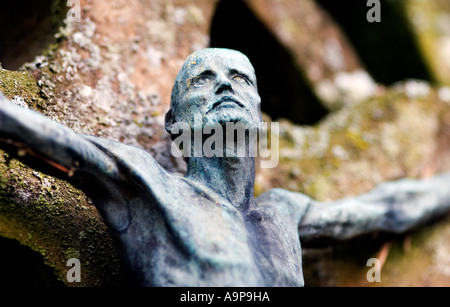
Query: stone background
[358, 103]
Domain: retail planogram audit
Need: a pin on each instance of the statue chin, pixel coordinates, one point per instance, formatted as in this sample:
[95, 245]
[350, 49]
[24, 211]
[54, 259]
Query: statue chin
[223, 116]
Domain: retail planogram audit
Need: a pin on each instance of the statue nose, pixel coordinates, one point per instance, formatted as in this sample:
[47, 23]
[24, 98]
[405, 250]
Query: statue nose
[224, 85]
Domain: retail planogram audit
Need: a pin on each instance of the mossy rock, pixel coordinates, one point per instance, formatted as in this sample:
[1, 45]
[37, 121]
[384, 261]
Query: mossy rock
[49, 215]
[430, 22]
[392, 135]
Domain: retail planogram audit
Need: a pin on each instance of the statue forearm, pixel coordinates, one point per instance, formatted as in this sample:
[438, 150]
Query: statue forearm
[396, 207]
[52, 143]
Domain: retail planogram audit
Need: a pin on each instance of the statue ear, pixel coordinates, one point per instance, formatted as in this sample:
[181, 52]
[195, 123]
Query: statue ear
[169, 121]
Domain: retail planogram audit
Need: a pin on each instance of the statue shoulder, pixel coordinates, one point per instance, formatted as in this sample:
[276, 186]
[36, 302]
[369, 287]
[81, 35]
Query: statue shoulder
[131, 159]
[143, 183]
[291, 204]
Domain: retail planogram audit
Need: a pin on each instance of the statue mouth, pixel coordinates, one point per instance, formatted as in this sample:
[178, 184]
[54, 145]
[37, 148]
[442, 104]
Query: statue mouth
[226, 102]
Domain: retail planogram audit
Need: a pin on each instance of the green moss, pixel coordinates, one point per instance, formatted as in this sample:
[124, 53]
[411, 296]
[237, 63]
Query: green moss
[72, 253]
[56, 220]
[22, 84]
[424, 20]
[350, 150]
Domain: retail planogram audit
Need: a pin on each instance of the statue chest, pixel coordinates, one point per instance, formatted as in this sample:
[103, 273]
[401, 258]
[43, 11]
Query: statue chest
[224, 245]
[191, 239]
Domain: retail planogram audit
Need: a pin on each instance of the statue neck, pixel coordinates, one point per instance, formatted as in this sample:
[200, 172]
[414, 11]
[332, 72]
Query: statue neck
[231, 178]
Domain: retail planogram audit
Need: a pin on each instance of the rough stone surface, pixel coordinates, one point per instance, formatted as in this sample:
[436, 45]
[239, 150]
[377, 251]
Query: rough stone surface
[430, 22]
[319, 49]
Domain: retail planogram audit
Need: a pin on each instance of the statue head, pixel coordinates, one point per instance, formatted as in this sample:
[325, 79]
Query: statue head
[217, 86]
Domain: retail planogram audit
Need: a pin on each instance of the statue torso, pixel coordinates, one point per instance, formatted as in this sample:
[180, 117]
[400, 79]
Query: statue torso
[177, 233]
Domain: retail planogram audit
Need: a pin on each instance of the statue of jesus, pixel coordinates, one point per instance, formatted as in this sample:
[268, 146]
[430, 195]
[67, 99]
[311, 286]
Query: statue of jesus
[206, 228]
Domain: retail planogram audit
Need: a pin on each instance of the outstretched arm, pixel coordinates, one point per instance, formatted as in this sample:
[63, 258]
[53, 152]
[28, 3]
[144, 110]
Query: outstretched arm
[51, 143]
[394, 207]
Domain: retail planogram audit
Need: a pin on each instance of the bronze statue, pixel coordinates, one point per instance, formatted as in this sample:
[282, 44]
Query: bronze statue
[206, 228]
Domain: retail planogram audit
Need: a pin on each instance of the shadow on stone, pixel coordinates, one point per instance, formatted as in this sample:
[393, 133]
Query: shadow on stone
[21, 266]
[27, 28]
[282, 86]
[388, 48]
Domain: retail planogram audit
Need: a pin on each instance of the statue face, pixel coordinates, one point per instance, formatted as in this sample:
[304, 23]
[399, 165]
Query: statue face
[218, 86]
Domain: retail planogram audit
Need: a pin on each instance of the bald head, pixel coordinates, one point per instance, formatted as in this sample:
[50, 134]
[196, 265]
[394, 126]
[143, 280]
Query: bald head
[217, 84]
[209, 59]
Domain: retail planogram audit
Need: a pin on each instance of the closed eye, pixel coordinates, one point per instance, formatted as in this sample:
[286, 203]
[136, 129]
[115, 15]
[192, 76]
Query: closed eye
[202, 79]
[242, 79]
